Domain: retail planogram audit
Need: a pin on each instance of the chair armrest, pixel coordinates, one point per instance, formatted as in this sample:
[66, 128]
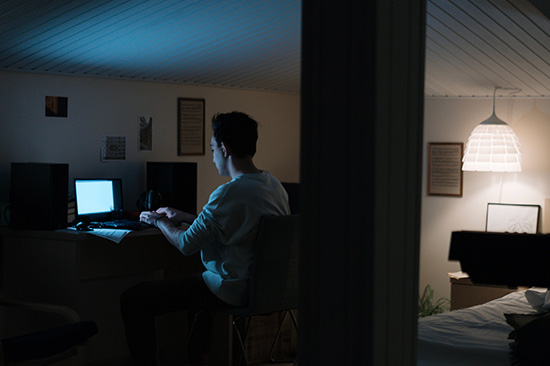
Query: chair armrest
[66, 312]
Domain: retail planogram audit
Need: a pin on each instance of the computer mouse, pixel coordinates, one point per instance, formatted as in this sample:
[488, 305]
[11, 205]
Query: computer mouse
[82, 226]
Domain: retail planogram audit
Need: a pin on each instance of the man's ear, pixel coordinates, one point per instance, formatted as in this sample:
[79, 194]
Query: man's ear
[225, 150]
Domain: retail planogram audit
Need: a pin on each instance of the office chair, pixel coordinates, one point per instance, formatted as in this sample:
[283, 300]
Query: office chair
[53, 346]
[273, 277]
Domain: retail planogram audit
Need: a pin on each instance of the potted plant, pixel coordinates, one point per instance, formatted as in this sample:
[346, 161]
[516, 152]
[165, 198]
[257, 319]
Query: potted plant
[427, 306]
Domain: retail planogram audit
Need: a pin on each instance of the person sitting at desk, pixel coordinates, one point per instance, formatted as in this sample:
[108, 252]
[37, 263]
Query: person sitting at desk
[223, 233]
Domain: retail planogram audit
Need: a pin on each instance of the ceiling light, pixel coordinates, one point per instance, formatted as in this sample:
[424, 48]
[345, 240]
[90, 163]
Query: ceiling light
[492, 147]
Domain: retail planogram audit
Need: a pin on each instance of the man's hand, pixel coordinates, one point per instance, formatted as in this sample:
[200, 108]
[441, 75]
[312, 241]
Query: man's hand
[166, 219]
[176, 216]
[149, 217]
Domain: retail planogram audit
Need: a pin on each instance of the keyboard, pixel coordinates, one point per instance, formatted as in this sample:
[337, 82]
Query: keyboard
[121, 224]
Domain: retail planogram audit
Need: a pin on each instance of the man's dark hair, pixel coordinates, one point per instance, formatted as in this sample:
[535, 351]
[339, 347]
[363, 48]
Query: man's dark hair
[238, 131]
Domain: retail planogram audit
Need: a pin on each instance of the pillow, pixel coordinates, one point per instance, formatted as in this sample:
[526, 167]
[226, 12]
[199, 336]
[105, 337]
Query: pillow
[531, 337]
[538, 298]
[546, 305]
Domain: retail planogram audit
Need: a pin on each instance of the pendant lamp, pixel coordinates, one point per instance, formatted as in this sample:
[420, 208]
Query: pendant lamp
[492, 147]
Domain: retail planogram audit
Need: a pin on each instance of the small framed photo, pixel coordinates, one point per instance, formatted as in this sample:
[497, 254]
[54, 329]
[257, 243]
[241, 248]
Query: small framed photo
[191, 126]
[445, 177]
[113, 148]
[512, 218]
[56, 106]
[145, 133]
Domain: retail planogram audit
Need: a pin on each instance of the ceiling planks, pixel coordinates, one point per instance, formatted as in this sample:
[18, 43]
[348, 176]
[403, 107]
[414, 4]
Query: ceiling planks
[472, 46]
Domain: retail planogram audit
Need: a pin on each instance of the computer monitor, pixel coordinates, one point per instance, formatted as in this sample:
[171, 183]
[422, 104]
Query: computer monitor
[98, 199]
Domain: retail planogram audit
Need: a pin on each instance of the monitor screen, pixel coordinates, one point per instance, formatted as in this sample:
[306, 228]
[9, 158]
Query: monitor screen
[98, 199]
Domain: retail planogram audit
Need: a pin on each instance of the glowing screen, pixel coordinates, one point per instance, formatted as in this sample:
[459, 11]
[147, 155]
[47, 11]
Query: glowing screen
[94, 196]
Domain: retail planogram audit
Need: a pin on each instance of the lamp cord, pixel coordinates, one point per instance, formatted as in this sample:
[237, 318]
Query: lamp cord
[511, 91]
[500, 189]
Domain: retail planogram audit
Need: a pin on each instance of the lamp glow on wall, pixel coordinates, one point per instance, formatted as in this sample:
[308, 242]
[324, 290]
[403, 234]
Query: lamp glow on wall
[492, 147]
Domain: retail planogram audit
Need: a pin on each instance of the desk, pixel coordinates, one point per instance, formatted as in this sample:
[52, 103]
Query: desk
[88, 273]
[465, 294]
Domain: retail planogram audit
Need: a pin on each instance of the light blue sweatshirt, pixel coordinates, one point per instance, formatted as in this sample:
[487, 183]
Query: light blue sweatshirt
[226, 228]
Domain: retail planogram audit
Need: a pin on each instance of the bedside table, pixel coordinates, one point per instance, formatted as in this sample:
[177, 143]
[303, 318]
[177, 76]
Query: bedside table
[465, 294]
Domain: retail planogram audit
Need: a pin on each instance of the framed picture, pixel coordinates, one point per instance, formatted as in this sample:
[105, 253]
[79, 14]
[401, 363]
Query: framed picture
[145, 133]
[445, 176]
[190, 126]
[113, 148]
[56, 106]
[512, 218]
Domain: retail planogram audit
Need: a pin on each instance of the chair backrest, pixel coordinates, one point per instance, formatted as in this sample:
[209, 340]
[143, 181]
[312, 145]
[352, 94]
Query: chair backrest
[274, 272]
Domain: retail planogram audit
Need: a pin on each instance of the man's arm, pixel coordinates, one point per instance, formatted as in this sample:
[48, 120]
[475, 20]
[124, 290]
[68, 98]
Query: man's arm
[176, 216]
[170, 231]
[188, 241]
[164, 219]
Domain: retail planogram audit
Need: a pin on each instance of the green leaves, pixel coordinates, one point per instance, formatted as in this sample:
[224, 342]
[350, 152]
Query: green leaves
[427, 306]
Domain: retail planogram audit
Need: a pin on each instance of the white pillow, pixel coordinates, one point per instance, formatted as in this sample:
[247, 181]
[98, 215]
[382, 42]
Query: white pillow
[546, 305]
[538, 297]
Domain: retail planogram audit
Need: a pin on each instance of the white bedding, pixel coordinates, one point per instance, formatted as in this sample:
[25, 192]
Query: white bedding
[476, 335]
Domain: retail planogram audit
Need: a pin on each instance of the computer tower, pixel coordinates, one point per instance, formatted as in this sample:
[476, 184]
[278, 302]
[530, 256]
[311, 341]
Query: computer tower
[176, 182]
[38, 196]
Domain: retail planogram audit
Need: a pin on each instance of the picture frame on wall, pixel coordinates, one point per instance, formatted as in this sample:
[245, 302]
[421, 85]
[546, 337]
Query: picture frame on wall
[56, 106]
[445, 176]
[191, 132]
[512, 218]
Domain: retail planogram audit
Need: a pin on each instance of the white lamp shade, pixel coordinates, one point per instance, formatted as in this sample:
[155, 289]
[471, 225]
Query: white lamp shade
[492, 147]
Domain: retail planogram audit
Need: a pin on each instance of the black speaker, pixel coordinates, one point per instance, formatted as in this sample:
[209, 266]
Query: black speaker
[176, 183]
[38, 196]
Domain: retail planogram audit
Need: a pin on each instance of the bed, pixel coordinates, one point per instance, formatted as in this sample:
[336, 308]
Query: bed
[479, 335]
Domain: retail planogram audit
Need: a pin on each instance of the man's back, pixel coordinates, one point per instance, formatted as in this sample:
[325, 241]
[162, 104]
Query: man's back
[231, 218]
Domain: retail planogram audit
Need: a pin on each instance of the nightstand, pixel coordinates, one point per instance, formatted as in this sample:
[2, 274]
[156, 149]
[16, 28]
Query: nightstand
[465, 294]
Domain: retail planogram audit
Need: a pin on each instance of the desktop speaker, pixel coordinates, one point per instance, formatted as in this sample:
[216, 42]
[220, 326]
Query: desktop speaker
[38, 196]
[176, 183]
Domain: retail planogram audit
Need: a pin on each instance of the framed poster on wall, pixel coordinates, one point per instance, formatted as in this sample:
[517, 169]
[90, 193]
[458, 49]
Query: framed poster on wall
[445, 177]
[512, 218]
[191, 126]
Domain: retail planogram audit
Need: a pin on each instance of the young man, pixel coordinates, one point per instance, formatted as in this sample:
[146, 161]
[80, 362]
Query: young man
[223, 233]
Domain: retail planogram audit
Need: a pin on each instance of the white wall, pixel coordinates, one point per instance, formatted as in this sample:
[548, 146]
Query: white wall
[99, 107]
[452, 120]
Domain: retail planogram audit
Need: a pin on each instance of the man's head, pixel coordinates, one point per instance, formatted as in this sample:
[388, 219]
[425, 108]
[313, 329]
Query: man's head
[237, 131]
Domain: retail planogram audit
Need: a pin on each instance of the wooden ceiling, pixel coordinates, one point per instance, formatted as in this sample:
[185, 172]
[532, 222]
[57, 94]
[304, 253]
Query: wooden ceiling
[472, 46]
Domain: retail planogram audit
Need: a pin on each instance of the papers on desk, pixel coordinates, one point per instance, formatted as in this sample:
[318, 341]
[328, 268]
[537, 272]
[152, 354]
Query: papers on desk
[458, 275]
[115, 235]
